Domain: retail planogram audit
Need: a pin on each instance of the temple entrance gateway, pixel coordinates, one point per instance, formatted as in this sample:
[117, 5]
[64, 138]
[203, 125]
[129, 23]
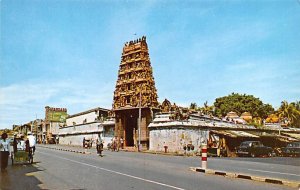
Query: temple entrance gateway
[127, 125]
[131, 126]
[135, 88]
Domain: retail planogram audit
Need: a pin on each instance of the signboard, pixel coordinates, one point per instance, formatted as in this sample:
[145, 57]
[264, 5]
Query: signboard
[56, 114]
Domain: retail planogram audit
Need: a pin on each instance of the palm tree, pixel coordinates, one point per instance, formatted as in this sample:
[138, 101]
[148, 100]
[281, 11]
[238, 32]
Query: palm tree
[296, 120]
[297, 105]
[207, 109]
[288, 112]
[193, 106]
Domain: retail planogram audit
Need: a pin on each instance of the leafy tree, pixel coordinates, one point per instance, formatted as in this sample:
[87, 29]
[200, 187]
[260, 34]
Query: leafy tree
[240, 103]
[265, 110]
[289, 113]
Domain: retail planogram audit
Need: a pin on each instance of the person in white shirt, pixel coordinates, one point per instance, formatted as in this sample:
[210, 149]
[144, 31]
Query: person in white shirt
[4, 151]
[122, 143]
[32, 141]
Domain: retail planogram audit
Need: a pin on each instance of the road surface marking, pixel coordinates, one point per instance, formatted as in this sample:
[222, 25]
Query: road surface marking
[273, 172]
[112, 171]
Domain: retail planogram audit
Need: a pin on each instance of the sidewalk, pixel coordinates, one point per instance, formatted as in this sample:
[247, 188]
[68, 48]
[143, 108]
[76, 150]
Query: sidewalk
[20, 176]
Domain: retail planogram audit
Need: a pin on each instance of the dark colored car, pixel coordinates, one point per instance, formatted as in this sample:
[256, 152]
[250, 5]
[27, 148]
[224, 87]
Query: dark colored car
[292, 149]
[253, 149]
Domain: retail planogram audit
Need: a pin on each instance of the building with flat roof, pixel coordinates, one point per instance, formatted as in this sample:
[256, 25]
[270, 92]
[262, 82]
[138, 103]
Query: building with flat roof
[89, 125]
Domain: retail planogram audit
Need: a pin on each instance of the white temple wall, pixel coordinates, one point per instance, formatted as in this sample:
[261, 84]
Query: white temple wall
[175, 139]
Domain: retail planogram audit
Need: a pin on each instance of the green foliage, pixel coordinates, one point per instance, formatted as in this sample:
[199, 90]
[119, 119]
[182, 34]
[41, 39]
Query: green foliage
[193, 106]
[289, 113]
[240, 103]
[206, 109]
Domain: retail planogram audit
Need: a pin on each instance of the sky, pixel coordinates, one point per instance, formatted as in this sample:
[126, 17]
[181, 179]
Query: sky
[66, 53]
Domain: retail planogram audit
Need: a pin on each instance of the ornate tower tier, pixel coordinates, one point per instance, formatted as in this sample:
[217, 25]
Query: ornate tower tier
[135, 96]
[134, 77]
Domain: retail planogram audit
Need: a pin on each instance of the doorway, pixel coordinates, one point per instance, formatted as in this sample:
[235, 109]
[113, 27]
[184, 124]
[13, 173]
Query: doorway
[130, 127]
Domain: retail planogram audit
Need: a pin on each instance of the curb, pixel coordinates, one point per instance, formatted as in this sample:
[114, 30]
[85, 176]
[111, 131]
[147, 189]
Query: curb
[124, 150]
[162, 153]
[247, 176]
[68, 150]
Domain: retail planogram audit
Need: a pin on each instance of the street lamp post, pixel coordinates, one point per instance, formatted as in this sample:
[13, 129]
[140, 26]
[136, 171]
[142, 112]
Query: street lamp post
[139, 129]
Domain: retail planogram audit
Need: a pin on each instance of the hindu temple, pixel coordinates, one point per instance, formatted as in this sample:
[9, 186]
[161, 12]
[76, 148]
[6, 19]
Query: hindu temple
[135, 95]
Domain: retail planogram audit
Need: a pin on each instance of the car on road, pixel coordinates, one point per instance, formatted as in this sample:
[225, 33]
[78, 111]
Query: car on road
[292, 149]
[254, 149]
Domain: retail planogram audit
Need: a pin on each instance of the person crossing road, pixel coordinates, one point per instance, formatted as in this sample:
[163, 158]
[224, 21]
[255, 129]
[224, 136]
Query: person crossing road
[99, 147]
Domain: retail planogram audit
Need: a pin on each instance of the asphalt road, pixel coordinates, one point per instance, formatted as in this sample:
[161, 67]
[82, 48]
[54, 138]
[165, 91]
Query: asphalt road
[55, 169]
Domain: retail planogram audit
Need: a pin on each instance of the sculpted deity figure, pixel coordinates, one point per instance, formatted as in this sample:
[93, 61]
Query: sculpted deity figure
[144, 100]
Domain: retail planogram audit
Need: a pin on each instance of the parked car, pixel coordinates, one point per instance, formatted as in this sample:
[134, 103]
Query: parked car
[253, 149]
[292, 149]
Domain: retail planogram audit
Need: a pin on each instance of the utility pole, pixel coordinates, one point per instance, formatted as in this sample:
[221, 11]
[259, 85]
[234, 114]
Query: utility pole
[31, 126]
[36, 128]
[139, 129]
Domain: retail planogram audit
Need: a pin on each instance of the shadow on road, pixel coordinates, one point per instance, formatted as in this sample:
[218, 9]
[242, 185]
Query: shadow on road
[19, 177]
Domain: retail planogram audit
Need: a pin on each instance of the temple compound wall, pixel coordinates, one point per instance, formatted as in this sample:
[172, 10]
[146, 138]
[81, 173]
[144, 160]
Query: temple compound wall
[186, 136]
[169, 134]
[178, 139]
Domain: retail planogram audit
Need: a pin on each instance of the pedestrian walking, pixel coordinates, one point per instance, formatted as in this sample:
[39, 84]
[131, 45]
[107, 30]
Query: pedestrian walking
[113, 144]
[122, 143]
[83, 142]
[57, 139]
[118, 144]
[99, 147]
[91, 144]
[4, 151]
[32, 142]
[15, 144]
[27, 147]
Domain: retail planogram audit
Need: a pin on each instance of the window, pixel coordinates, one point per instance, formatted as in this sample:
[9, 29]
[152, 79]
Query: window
[128, 99]
[108, 131]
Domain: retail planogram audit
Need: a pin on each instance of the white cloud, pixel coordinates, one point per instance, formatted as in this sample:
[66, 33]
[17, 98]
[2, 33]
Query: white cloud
[18, 94]
[21, 103]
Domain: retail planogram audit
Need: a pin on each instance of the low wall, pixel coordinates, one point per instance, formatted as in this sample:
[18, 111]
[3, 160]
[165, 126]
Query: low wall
[175, 139]
[78, 139]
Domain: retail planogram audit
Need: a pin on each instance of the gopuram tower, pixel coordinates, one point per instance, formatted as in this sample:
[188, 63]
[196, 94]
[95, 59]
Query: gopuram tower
[135, 96]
